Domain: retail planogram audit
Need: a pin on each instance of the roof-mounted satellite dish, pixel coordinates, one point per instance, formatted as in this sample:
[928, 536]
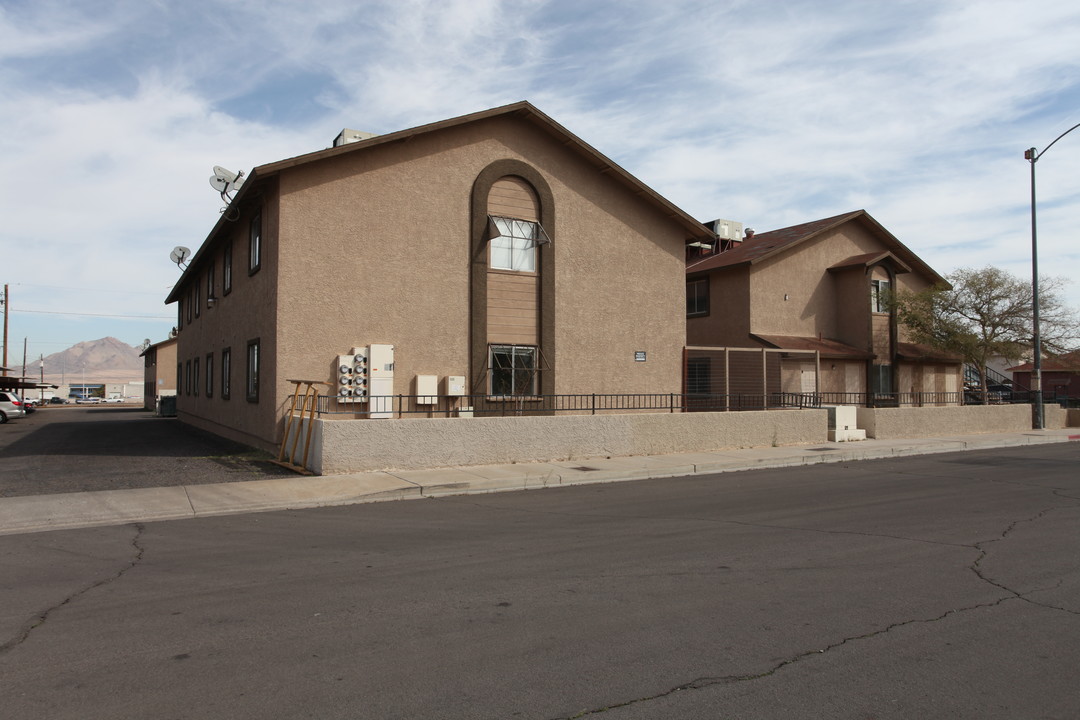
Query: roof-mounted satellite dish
[179, 255]
[226, 181]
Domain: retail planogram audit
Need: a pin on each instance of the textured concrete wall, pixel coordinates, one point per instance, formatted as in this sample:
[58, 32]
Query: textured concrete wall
[364, 445]
[886, 423]
[1056, 417]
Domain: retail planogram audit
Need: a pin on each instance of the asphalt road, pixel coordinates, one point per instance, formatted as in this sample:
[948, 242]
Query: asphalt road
[84, 448]
[944, 586]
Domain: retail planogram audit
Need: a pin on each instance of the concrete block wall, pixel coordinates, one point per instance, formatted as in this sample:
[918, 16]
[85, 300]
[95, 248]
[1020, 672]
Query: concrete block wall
[1056, 417]
[914, 422]
[340, 446]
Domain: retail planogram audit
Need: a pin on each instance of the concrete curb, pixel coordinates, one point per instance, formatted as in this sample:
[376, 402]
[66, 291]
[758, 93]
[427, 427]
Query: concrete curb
[38, 513]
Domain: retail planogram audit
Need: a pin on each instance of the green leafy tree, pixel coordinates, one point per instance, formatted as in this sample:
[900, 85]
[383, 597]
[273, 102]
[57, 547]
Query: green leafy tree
[986, 313]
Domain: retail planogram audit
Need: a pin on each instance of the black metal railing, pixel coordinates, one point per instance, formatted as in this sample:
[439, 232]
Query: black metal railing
[594, 403]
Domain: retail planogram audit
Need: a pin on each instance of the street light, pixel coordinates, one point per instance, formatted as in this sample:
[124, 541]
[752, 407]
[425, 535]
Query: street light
[1032, 155]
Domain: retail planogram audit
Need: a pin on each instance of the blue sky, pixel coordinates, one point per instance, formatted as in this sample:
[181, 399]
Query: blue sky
[769, 113]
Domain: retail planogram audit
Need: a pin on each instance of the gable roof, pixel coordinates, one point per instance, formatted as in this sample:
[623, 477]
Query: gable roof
[1069, 362]
[604, 166]
[777, 242]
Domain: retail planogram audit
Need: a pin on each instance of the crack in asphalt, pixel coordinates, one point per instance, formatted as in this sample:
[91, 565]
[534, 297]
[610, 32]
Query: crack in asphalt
[41, 617]
[712, 681]
[706, 682]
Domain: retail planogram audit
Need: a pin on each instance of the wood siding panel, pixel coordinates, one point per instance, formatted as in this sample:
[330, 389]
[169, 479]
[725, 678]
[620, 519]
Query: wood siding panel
[512, 197]
[512, 308]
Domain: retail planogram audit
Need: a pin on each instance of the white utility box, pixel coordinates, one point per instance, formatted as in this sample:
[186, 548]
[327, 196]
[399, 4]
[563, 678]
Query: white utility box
[427, 389]
[381, 380]
[455, 385]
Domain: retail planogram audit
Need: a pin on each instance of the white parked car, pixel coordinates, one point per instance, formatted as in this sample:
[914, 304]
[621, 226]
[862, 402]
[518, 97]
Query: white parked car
[11, 405]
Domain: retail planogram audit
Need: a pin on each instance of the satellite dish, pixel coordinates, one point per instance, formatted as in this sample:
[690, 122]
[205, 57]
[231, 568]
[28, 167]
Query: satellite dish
[219, 183]
[226, 181]
[179, 254]
[226, 175]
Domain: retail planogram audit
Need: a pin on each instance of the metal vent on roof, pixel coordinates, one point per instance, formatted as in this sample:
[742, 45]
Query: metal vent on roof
[347, 136]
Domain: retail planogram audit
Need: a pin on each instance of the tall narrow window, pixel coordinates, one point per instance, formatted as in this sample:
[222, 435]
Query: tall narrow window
[180, 313]
[879, 296]
[210, 375]
[226, 270]
[187, 378]
[512, 370]
[226, 372]
[198, 296]
[255, 244]
[253, 360]
[210, 285]
[515, 246]
[195, 378]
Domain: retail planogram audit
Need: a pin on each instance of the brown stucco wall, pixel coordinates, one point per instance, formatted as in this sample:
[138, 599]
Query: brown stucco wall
[728, 321]
[377, 250]
[248, 312]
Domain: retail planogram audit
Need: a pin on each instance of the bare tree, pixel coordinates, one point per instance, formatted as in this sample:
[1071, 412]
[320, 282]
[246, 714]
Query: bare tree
[985, 313]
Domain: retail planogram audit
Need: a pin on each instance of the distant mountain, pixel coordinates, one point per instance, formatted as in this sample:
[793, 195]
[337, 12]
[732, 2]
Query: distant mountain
[105, 361]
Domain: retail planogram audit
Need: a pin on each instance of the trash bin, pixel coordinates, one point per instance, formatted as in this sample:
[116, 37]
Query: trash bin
[167, 406]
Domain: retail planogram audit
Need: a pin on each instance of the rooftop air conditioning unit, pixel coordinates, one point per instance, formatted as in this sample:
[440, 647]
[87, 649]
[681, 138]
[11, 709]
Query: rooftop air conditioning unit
[347, 136]
[726, 229]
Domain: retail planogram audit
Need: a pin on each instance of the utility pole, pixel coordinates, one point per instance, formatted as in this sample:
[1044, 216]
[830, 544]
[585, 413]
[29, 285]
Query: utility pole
[5, 303]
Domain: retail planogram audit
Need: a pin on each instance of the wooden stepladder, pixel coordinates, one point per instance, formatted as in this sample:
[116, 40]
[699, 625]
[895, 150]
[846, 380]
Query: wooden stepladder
[308, 406]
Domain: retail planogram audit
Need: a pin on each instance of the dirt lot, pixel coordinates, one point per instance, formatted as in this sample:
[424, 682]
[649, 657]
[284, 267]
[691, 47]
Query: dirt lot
[80, 448]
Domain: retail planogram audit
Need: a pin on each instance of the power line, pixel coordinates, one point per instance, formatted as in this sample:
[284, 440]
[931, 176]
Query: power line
[104, 290]
[56, 312]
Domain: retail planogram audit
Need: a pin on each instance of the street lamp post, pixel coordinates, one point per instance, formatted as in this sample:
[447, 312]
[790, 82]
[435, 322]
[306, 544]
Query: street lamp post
[1032, 155]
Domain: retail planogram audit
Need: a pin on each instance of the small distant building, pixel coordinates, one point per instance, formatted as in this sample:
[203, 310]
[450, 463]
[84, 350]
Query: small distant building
[159, 374]
[1060, 376]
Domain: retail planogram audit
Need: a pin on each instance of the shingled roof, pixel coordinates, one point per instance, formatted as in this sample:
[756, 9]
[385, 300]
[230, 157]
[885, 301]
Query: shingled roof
[770, 244]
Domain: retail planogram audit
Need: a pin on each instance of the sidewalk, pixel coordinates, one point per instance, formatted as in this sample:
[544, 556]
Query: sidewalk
[38, 513]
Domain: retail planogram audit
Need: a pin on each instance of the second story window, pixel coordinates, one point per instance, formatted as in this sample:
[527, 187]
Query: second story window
[210, 285]
[255, 244]
[515, 246]
[697, 297]
[879, 296]
[226, 270]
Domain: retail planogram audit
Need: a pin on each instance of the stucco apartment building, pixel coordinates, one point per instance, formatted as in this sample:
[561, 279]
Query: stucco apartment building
[494, 254]
[812, 297]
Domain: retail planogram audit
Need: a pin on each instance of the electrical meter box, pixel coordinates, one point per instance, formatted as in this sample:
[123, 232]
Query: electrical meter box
[351, 371]
[455, 385]
[380, 381]
[427, 389]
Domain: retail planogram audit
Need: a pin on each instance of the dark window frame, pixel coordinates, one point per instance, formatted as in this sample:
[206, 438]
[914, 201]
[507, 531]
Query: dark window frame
[879, 290]
[209, 375]
[509, 381]
[226, 269]
[254, 370]
[699, 304]
[195, 377]
[255, 232]
[226, 372]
